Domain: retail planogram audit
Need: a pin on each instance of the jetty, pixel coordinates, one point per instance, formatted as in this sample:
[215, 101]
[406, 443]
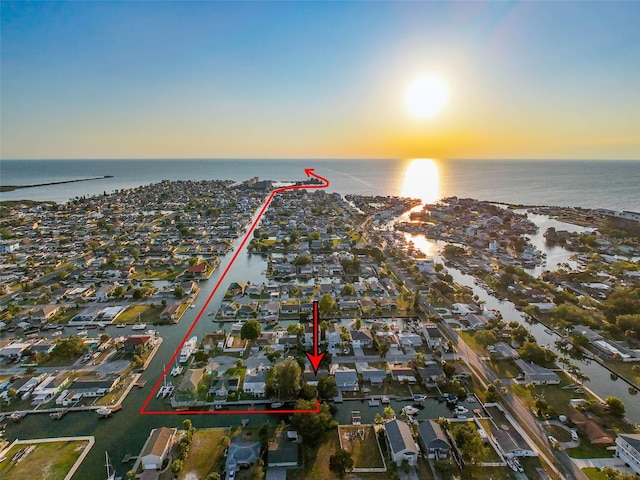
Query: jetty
[10, 188]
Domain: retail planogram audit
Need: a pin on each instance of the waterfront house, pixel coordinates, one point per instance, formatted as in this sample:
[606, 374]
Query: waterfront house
[400, 442]
[628, 450]
[361, 338]
[536, 374]
[45, 313]
[170, 312]
[433, 440]
[254, 383]
[157, 448]
[191, 380]
[136, 343]
[346, 379]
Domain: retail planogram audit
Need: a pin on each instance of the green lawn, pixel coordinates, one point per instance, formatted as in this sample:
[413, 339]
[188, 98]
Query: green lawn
[560, 433]
[505, 368]
[587, 449]
[364, 451]
[594, 473]
[65, 316]
[206, 449]
[48, 461]
[140, 313]
[316, 461]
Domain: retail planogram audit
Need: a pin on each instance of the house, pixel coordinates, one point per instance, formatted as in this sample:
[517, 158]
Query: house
[157, 447]
[346, 379]
[409, 339]
[433, 440]
[431, 371]
[254, 383]
[371, 374]
[196, 271]
[191, 379]
[282, 451]
[44, 313]
[361, 338]
[248, 309]
[628, 450]
[536, 374]
[135, 343]
[400, 442]
[170, 312]
[502, 350]
[228, 310]
[289, 309]
[241, 454]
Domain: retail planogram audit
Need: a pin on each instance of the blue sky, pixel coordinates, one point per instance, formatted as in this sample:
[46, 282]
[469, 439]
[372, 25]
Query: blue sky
[318, 79]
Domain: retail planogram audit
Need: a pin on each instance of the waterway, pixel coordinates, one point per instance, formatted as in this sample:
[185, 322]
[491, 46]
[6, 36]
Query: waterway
[600, 381]
[126, 431]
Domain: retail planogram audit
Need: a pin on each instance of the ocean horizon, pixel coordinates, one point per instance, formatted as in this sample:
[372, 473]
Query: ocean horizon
[611, 184]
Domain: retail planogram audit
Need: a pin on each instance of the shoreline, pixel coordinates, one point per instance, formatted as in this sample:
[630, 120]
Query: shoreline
[11, 188]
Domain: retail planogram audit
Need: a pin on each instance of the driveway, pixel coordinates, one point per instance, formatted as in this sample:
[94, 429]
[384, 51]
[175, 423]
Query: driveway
[614, 463]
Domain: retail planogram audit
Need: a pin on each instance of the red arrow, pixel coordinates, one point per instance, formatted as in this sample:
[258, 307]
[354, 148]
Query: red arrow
[315, 358]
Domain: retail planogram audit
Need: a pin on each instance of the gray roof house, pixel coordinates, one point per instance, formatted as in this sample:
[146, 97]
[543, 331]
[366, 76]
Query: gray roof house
[433, 440]
[346, 379]
[400, 442]
[536, 374]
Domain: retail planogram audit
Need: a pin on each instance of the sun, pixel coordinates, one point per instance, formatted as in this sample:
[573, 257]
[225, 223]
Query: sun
[426, 96]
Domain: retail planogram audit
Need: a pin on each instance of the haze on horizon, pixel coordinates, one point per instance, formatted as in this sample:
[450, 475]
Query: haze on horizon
[540, 80]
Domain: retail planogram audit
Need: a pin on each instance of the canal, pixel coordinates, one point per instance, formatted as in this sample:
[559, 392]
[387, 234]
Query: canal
[600, 381]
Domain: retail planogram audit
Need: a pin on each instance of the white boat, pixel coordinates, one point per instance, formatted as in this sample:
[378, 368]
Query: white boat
[460, 409]
[277, 404]
[188, 349]
[374, 403]
[15, 416]
[139, 326]
[104, 411]
[177, 370]
[384, 399]
[409, 410]
[83, 333]
[111, 473]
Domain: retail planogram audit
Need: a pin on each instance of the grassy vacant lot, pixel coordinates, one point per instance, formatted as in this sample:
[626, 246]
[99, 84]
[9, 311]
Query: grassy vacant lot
[206, 449]
[495, 473]
[316, 461]
[147, 314]
[65, 316]
[48, 461]
[361, 441]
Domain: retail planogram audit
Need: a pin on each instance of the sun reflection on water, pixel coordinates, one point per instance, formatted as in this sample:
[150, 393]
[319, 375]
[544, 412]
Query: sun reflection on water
[422, 180]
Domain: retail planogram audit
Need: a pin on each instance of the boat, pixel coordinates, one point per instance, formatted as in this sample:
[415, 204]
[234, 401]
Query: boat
[121, 325]
[177, 370]
[139, 326]
[277, 404]
[409, 410]
[374, 403]
[192, 306]
[384, 399]
[111, 473]
[188, 349]
[104, 411]
[15, 416]
[58, 414]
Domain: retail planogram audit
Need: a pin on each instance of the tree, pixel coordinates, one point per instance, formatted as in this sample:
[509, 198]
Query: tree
[284, 379]
[179, 291]
[485, 337]
[445, 468]
[389, 413]
[383, 349]
[314, 236]
[302, 260]
[327, 388]
[176, 466]
[341, 462]
[119, 291]
[348, 290]
[193, 261]
[187, 425]
[471, 446]
[532, 352]
[311, 427]
[616, 406]
[250, 330]
[449, 369]
[326, 303]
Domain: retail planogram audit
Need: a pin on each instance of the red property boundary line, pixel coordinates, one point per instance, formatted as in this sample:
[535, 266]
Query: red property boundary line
[143, 410]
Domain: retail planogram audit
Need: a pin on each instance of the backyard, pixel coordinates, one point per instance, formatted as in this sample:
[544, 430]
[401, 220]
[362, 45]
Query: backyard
[361, 441]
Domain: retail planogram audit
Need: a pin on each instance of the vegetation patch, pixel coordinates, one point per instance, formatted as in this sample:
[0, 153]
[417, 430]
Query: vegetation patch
[362, 443]
[41, 460]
